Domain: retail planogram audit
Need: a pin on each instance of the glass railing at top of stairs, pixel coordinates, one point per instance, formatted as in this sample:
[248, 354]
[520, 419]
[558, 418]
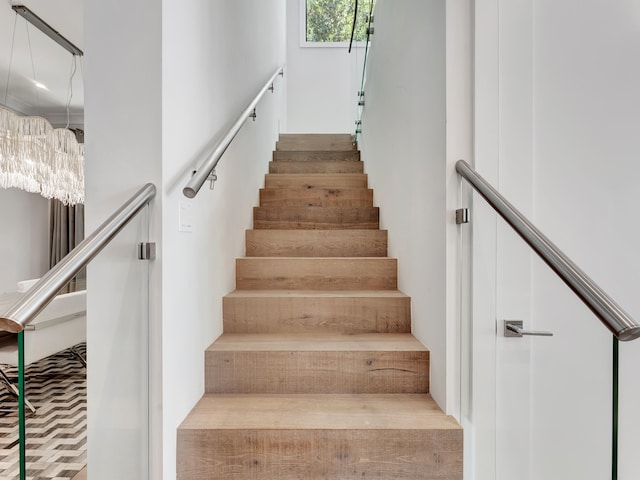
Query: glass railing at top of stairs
[539, 378]
[23, 316]
[361, 33]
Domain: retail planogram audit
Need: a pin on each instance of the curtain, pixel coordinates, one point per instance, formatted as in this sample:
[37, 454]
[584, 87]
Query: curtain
[66, 231]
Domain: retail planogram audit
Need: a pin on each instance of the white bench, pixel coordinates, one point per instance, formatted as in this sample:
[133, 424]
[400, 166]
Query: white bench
[62, 324]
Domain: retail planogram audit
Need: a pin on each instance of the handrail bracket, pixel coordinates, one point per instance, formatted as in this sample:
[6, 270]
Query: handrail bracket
[212, 178]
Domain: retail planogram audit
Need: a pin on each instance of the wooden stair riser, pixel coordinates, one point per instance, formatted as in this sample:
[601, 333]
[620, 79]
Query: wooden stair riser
[315, 142]
[327, 273]
[320, 454]
[324, 218]
[307, 314]
[318, 137]
[316, 167]
[316, 180]
[316, 197]
[298, 372]
[317, 156]
[316, 243]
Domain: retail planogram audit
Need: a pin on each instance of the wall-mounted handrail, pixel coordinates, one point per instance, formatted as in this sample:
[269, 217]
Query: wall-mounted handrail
[213, 156]
[25, 309]
[605, 308]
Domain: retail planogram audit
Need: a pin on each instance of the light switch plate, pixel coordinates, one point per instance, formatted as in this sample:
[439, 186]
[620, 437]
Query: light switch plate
[185, 216]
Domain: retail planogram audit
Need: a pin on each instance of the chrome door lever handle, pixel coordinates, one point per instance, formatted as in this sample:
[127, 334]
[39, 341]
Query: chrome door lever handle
[513, 328]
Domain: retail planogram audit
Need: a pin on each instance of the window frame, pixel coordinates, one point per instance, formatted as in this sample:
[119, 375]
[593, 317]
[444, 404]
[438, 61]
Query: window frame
[303, 33]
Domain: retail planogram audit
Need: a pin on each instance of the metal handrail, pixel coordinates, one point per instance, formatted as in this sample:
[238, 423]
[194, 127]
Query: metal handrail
[213, 155]
[619, 322]
[25, 309]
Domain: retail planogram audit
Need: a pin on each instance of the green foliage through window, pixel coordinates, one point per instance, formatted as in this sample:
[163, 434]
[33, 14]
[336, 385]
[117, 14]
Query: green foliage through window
[332, 20]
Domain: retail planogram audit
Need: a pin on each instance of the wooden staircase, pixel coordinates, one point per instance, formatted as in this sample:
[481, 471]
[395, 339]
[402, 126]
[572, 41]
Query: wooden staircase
[317, 374]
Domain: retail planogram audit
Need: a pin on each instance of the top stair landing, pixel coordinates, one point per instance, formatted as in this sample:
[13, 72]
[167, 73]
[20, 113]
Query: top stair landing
[338, 142]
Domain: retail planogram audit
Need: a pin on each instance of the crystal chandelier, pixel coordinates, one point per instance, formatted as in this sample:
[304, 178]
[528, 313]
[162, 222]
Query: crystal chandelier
[38, 158]
[34, 156]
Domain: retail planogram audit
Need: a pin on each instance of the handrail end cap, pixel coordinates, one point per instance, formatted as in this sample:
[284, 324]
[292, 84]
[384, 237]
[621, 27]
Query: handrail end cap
[9, 325]
[630, 333]
[188, 192]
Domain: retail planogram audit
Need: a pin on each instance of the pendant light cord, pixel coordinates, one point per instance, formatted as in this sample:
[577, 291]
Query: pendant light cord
[33, 65]
[74, 68]
[13, 39]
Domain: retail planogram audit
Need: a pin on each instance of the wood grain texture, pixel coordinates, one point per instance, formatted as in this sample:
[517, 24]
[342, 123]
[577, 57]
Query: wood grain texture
[316, 372]
[316, 197]
[315, 142]
[324, 454]
[332, 137]
[316, 363]
[318, 412]
[310, 155]
[316, 243]
[336, 166]
[317, 342]
[284, 218]
[319, 437]
[322, 273]
[277, 311]
[317, 375]
[315, 180]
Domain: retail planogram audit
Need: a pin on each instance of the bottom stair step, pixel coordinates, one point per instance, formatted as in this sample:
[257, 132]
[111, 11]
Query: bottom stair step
[319, 436]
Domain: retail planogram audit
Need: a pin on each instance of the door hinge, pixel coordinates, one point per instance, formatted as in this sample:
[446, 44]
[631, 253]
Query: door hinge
[147, 251]
[462, 216]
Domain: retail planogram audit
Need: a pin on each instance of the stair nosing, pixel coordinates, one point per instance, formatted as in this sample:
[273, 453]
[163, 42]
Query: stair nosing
[317, 293]
[323, 416]
[316, 342]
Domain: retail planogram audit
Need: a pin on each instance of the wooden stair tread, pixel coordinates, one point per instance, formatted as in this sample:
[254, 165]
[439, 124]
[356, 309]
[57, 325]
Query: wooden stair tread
[316, 342]
[314, 141]
[333, 137]
[339, 311]
[315, 180]
[316, 155]
[318, 412]
[317, 197]
[313, 166]
[317, 293]
[316, 243]
[318, 362]
[316, 273]
[338, 218]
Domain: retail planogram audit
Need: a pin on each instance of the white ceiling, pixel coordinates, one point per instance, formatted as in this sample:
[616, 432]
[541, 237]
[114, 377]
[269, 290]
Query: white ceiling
[52, 63]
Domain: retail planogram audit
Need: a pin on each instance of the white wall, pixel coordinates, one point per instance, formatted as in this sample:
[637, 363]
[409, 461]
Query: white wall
[216, 57]
[556, 132]
[322, 83]
[174, 78]
[24, 237]
[586, 143]
[123, 119]
[403, 146]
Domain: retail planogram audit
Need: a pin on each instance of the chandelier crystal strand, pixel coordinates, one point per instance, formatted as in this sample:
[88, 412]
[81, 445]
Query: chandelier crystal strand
[37, 158]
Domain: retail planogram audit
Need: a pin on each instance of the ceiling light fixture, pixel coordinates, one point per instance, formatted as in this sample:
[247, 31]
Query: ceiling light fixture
[34, 156]
[37, 158]
[47, 29]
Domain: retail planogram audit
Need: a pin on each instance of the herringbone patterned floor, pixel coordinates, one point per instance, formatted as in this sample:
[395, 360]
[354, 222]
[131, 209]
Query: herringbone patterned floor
[56, 437]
